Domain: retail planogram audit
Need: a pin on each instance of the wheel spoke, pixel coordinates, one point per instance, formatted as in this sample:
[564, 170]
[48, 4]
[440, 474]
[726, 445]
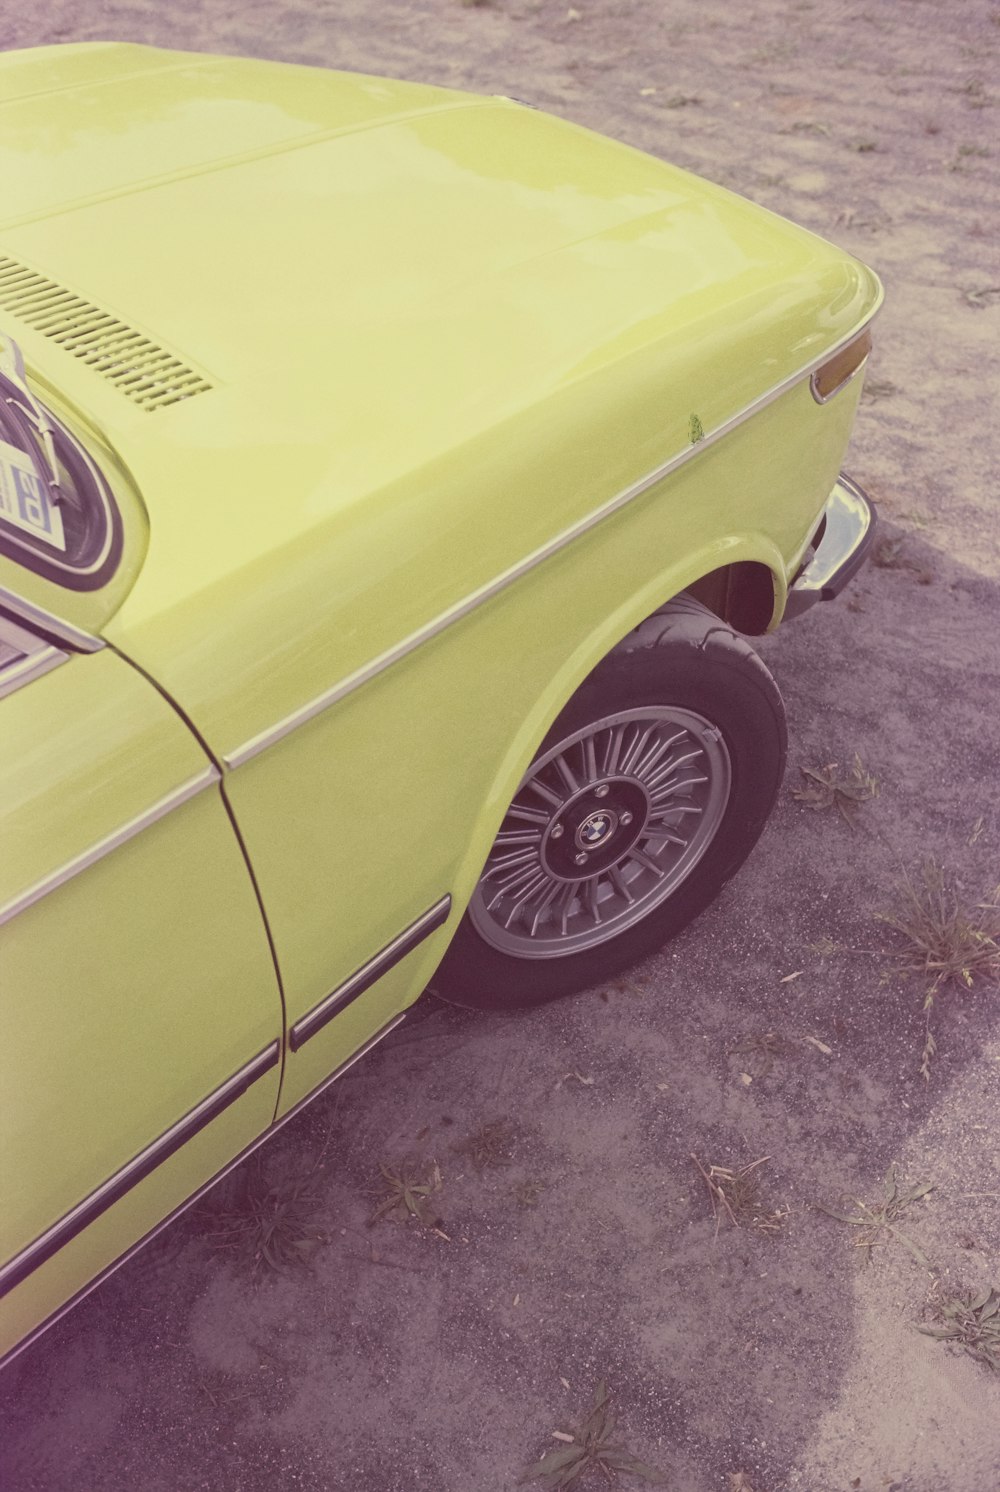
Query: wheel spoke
[545, 792]
[635, 749]
[589, 759]
[562, 766]
[549, 897]
[513, 884]
[669, 768]
[620, 884]
[502, 863]
[675, 787]
[567, 901]
[540, 880]
[592, 894]
[518, 836]
[674, 811]
[528, 815]
[663, 836]
[646, 860]
[613, 752]
[654, 755]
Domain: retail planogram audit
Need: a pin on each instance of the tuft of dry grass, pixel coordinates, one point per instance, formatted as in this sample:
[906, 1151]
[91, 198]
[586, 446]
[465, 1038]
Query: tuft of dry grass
[879, 1221]
[949, 942]
[878, 388]
[760, 1050]
[527, 1193]
[590, 1444]
[736, 1194]
[973, 1323]
[490, 1146]
[981, 296]
[826, 787]
[266, 1224]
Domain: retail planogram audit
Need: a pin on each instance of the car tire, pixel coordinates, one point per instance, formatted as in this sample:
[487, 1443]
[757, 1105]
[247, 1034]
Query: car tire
[647, 794]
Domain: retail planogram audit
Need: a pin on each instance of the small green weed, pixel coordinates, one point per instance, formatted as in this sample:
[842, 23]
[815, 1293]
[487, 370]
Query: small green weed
[974, 92]
[880, 1221]
[266, 1224]
[825, 788]
[590, 1444]
[408, 1192]
[966, 153]
[973, 1322]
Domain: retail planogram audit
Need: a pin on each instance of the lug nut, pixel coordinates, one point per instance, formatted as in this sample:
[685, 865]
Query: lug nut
[556, 831]
[581, 858]
[626, 818]
[602, 791]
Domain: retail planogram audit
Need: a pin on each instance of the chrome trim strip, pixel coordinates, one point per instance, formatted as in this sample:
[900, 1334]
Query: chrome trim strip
[36, 658]
[56, 878]
[369, 973]
[31, 666]
[141, 1165]
[196, 1196]
[71, 637]
[274, 733]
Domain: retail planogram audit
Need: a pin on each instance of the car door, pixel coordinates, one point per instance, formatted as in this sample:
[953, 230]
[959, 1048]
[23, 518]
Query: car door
[140, 1007]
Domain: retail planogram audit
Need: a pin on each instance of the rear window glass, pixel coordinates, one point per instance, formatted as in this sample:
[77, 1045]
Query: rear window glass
[57, 514]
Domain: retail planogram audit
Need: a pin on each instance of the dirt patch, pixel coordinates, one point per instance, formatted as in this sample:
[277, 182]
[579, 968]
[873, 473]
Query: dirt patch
[581, 1244]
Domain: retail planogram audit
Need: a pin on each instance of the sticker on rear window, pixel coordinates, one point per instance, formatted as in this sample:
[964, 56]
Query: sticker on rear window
[25, 500]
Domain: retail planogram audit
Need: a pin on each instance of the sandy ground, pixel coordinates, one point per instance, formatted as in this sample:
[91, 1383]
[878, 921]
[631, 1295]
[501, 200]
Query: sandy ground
[405, 1360]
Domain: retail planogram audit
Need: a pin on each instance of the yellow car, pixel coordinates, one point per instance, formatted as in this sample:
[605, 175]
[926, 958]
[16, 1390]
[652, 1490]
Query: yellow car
[388, 477]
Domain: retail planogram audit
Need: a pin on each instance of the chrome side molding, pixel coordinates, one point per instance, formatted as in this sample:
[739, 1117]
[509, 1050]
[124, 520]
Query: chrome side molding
[202, 1191]
[83, 861]
[137, 1169]
[369, 973]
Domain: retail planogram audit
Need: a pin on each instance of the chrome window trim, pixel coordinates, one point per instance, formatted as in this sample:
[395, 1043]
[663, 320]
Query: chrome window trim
[28, 1259]
[363, 978]
[202, 1191]
[368, 671]
[37, 658]
[31, 666]
[120, 836]
[72, 637]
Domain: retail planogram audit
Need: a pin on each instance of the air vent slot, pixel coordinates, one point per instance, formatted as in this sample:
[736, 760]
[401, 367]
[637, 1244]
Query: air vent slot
[147, 374]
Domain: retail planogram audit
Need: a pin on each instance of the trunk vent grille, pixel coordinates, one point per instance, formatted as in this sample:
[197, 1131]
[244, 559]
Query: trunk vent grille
[144, 372]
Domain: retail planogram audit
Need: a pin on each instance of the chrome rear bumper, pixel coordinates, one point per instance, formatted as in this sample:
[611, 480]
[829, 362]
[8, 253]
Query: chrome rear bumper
[848, 528]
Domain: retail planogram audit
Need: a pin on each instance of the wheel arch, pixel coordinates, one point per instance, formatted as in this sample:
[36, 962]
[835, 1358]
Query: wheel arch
[743, 575]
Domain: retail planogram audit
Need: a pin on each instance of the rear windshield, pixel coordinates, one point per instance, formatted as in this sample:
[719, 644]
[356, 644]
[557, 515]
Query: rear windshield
[57, 514]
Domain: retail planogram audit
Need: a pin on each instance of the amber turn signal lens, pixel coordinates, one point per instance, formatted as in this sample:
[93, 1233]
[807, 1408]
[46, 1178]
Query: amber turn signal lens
[826, 381]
